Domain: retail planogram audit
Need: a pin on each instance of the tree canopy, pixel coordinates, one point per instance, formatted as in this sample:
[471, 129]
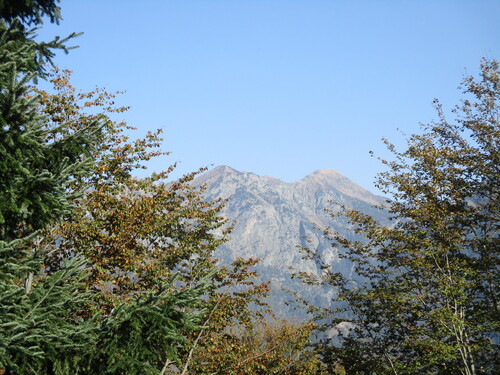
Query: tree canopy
[101, 271]
[429, 302]
[65, 306]
[30, 11]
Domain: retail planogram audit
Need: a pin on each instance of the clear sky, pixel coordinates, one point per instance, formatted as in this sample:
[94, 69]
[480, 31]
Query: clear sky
[279, 88]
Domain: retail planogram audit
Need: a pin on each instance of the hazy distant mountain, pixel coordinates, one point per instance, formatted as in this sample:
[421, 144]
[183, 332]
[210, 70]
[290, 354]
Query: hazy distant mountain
[274, 217]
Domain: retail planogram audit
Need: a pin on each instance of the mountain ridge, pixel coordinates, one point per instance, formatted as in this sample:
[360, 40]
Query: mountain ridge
[273, 218]
[324, 177]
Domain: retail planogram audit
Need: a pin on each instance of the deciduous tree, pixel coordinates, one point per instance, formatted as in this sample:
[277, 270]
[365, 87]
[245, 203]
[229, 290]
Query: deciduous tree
[92, 297]
[429, 300]
[138, 234]
[263, 347]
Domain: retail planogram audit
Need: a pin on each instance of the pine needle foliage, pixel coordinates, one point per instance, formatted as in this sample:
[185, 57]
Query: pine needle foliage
[40, 330]
[34, 172]
[140, 337]
[30, 11]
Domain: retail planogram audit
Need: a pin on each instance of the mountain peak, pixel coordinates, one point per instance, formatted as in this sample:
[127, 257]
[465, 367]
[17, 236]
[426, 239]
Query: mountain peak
[321, 179]
[327, 173]
[223, 169]
[215, 174]
[328, 178]
[271, 218]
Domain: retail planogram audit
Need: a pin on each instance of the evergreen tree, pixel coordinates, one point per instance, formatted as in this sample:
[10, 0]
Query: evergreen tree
[35, 168]
[30, 11]
[38, 329]
[50, 319]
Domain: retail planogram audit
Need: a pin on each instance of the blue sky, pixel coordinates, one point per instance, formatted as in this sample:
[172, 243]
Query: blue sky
[279, 88]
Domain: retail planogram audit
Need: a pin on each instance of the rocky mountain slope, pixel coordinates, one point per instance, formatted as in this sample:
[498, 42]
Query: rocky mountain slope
[272, 218]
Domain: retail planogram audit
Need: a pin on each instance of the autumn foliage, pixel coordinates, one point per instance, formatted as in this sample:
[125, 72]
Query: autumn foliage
[140, 235]
[135, 233]
[102, 272]
[426, 297]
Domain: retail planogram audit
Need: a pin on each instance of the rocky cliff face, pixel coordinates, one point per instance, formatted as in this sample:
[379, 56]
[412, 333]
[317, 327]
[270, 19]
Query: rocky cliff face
[273, 218]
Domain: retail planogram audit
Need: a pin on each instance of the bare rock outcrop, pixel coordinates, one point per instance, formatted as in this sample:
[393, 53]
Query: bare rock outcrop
[273, 218]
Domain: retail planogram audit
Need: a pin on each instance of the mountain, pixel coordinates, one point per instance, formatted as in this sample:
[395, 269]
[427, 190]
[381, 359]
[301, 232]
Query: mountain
[273, 218]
